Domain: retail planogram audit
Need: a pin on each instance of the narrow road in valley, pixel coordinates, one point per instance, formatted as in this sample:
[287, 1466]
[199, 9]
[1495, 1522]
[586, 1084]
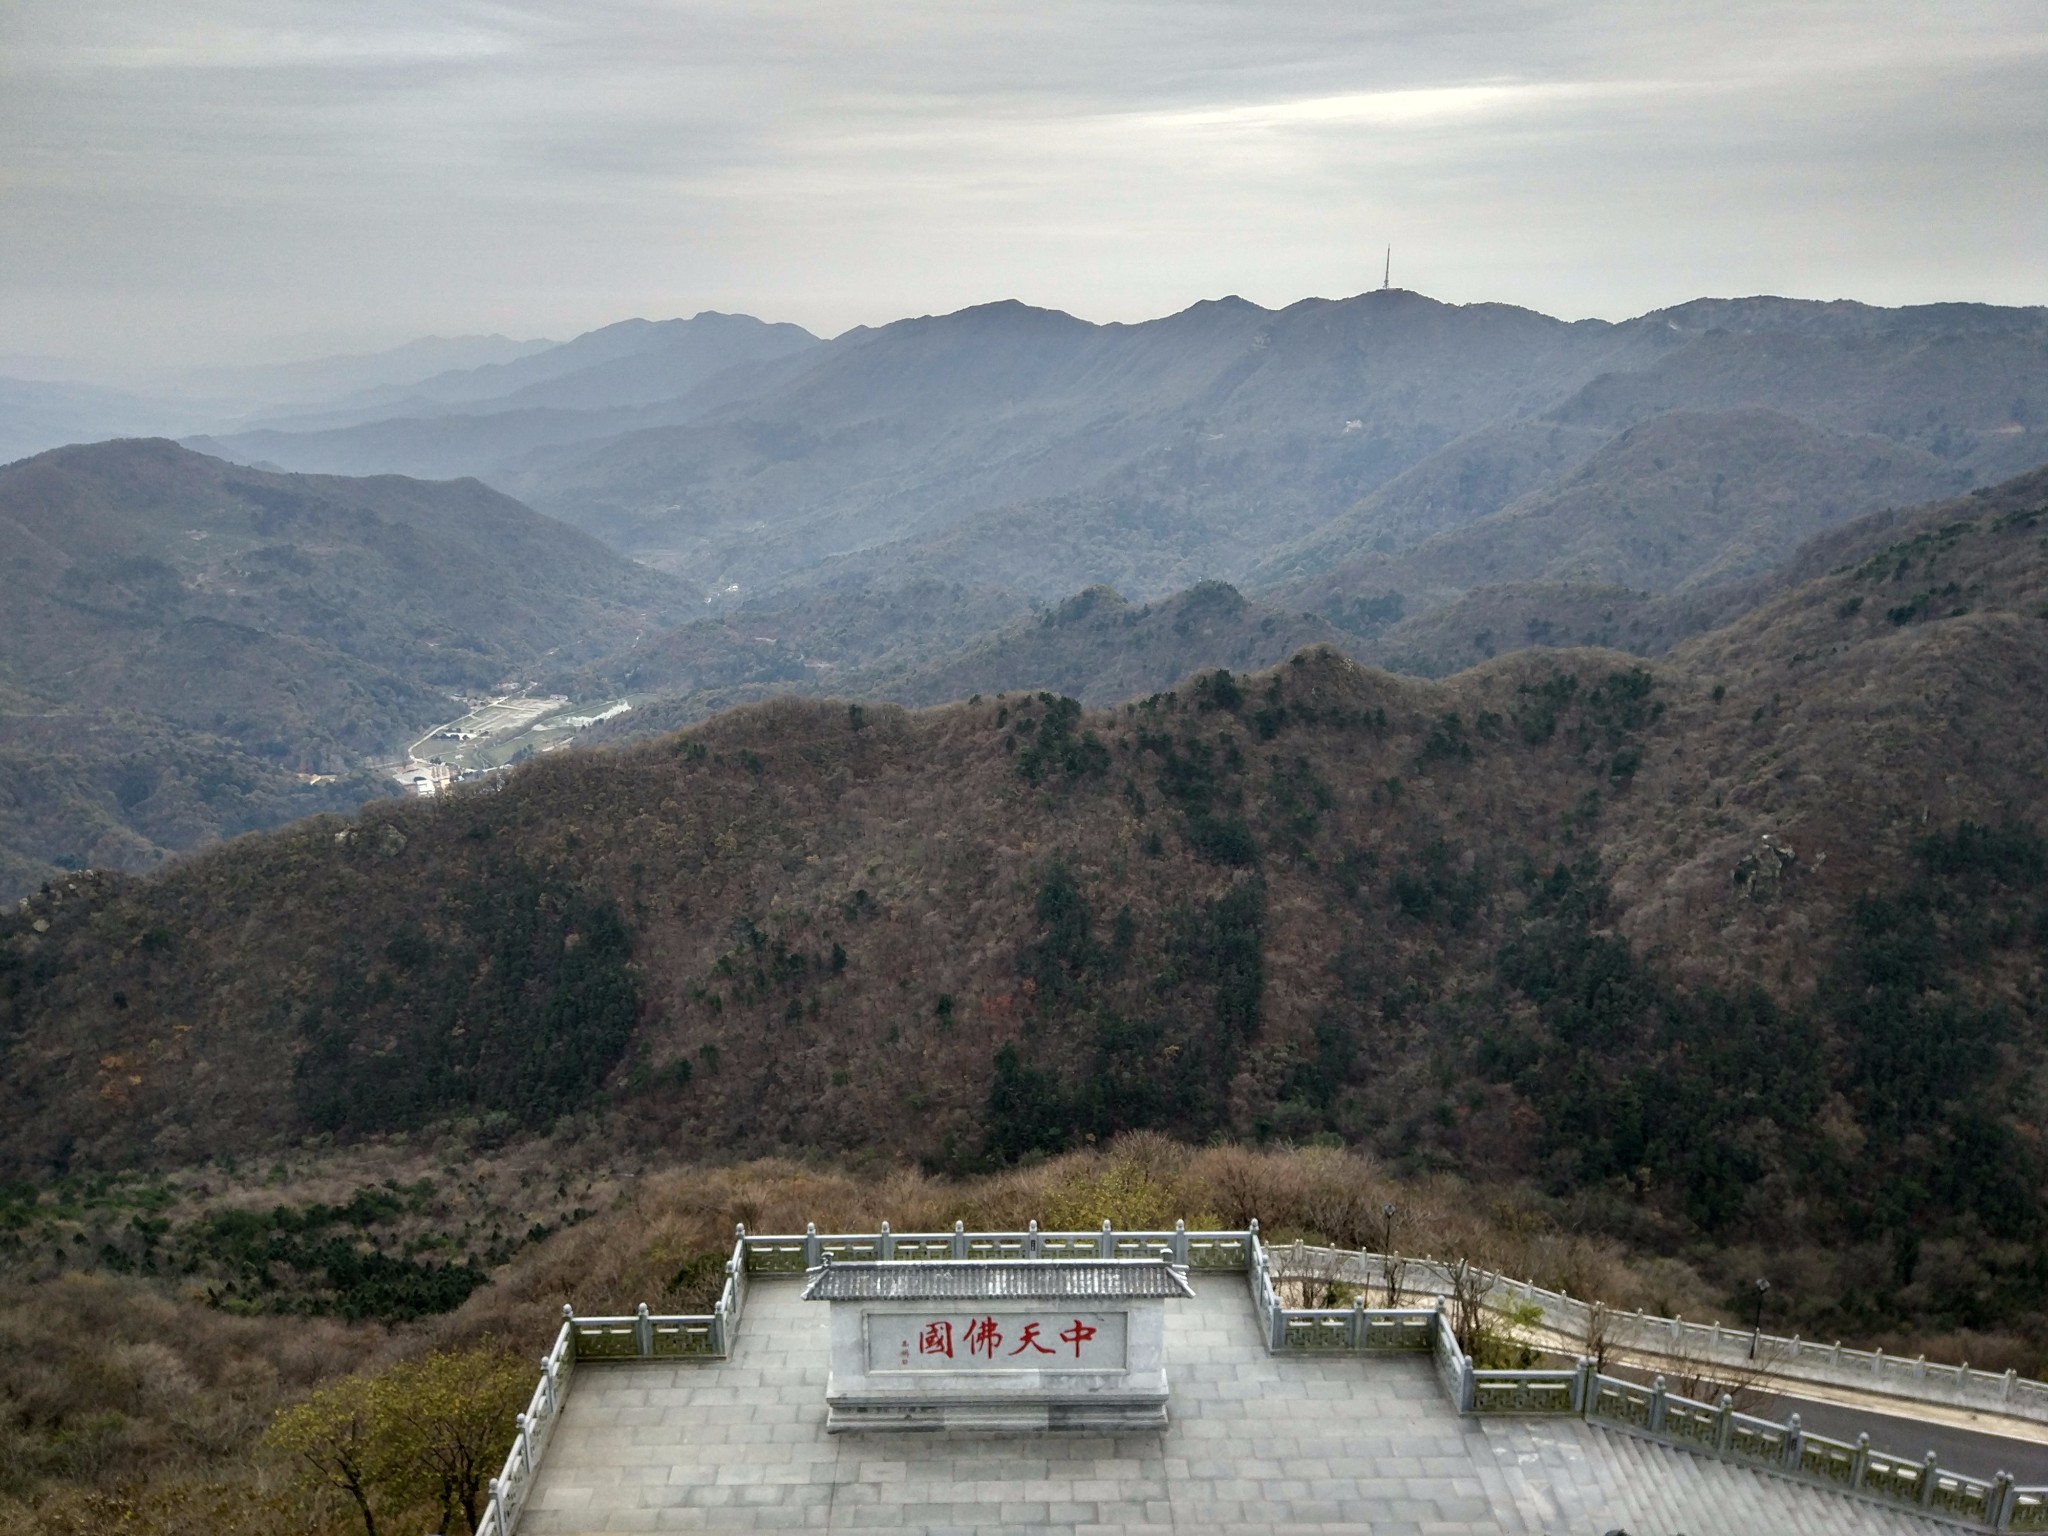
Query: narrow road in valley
[1975, 1451]
[1967, 1440]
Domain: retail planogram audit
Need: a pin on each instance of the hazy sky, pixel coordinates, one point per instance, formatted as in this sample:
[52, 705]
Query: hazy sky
[214, 178]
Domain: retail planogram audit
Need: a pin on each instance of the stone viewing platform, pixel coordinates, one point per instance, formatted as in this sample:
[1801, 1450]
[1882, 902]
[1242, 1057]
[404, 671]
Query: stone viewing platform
[1277, 1419]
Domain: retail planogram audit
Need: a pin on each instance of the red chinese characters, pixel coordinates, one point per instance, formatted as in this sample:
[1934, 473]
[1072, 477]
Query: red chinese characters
[1030, 1341]
[984, 1338]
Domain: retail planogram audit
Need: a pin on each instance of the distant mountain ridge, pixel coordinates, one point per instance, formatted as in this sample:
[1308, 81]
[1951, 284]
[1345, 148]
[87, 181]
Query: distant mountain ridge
[1224, 416]
[397, 367]
[632, 363]
[640, 360]
[1031, 449]
[910, 509]
[1683, 500]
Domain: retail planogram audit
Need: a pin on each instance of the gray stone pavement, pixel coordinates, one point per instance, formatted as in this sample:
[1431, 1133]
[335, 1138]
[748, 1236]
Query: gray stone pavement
[1258, 1443]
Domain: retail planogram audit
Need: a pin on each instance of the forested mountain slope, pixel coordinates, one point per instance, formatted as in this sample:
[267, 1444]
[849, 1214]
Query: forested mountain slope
[932, 642]
[1746, 942]
[1101, 649]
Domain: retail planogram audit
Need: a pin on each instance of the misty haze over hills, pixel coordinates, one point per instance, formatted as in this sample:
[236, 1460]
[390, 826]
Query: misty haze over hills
[45, 404]
[1033, 450]
[1000, 498]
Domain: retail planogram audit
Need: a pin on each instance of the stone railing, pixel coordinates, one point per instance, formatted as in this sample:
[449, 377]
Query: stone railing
[640, 1337]
[710, 1336]
[1701, 1344]
[1783, 1449]
[1356, 1327]
[530, 1440]
[1360, 1328]
[1366, 1330]
[1716, 1429]
[1203, 1252]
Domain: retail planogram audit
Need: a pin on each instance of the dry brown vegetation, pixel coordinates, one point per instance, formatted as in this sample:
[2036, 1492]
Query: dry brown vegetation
[158, 1024]
[115, 1396]
[1329, 1196]
[130, 1405]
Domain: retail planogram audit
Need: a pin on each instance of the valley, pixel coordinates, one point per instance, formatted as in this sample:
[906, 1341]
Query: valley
[495, 734]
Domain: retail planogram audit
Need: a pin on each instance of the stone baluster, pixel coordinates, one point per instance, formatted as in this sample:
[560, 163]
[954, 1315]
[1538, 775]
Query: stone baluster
[1929, 1468]
[1998, 1505]
[1656, 1424]
[885, 1244]
[1108, 1243]
[810, 1245]
[1356, 1323]
[1034, 1243]
[1860, 1463]
[1724, 1426]
[2005, 1387]
[721, 1313]
[1795, 1443]
[959, 1240]
[524, 1440]
[1180, 1243]
[643, 1333]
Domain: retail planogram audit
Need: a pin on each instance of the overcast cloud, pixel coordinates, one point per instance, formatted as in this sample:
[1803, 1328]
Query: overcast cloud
[208, 179]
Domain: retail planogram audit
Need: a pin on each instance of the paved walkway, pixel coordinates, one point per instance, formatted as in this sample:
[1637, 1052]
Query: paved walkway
[1258, 1443]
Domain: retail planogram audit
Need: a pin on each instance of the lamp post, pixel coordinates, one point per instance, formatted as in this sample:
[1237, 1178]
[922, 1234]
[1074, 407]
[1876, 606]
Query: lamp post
[1763, 1288]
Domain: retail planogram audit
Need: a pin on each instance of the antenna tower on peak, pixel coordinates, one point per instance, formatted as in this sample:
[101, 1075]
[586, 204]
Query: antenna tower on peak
[1387, 277]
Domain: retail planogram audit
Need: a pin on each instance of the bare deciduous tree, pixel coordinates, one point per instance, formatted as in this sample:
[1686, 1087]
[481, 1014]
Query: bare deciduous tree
[1596, 1342]
[1393, 1270]
[1467, 1302]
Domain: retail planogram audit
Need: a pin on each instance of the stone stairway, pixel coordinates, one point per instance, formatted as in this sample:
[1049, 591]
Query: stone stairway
[1567, 1478]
